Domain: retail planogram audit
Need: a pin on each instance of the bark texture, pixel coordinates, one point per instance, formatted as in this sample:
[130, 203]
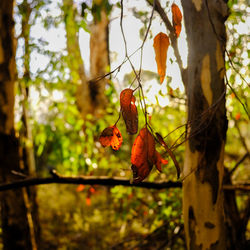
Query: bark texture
[90, 92]
[27, 156]
[15, 225]
[202, 190]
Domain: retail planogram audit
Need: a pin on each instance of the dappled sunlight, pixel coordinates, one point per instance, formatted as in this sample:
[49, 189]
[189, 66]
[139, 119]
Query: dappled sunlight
[102, 113]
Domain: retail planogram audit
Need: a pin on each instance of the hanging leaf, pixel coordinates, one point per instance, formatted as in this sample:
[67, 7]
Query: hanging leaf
[159, 161]
[176, 19]
[111, 136]
[117, 139]
[80, 187]
[142, 156]
[161, 43]
[129, 110]
[163, 143]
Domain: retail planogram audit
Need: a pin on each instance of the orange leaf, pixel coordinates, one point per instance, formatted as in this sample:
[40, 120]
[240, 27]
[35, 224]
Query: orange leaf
[176, 19]
[129, 110]
[142, 156]
[88, 201]
[237, 116]
[111, 136]
[117, 139]
[92, 190]
[161, 43]
[159, 160]
[80, 188]
[106, 136]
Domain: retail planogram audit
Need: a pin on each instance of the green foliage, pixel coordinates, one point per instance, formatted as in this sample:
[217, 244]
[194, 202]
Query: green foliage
[65, 142]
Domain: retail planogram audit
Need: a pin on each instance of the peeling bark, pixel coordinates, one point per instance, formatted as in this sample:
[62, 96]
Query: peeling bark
[202, 190]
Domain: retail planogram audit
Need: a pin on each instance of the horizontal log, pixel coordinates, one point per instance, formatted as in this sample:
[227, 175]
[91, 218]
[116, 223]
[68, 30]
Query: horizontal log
[87, 180]
[104, 181]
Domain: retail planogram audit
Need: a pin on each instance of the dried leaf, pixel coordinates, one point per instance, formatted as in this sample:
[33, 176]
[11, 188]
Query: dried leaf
[111, 136]
[106, 136]
[176, 19]
[161, 43]
[159, 161]
[117, 139]
[129, 110]
[142, 156]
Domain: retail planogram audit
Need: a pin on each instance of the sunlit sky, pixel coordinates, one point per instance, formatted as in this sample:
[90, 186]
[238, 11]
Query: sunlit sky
[56, 41]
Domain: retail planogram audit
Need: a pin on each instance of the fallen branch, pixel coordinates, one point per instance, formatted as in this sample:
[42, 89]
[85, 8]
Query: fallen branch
[87, 180]
[104, 181]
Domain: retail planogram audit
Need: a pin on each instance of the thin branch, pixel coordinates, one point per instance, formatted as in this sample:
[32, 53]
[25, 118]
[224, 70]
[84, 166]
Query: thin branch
[243, 141]
[237, 97]
[239, 187]
[242, 159]
[104, 181]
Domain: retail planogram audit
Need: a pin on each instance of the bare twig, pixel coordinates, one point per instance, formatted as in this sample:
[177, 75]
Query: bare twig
[242, 159]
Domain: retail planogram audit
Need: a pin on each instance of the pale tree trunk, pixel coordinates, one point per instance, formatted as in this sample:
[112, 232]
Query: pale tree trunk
[99, 61]
[74, 59]
[15, 221]
[26, 137]
[90, 93]
[203, 209]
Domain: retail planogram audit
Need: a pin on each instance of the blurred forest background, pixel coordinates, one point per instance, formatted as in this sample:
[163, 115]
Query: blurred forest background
[60, 111]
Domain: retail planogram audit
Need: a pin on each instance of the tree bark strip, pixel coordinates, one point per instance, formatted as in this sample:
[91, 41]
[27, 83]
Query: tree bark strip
[205, 87]
[15, 226]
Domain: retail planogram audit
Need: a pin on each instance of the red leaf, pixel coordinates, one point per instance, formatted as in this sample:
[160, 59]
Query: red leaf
[106, 136]
[129, 110]
[117, 139]
[80, 188]
[237, 116]
[88, 201]
[159, 160]
[176, 19]
[92, 190]
[142, 156]
[161, 43]
[111, 136]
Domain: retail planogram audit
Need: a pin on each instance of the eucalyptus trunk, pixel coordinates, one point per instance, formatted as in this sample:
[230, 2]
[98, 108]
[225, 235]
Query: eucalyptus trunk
[203, 208]
[90, 93]
[16, 232]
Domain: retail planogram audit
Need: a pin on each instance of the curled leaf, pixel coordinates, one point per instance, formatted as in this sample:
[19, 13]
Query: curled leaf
[129, 110]
[176, 19]
[159, 161]
[111, 136]
[142, 156]
[161, 44]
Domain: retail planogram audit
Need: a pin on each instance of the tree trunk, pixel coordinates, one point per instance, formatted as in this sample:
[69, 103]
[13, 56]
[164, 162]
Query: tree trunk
[26, 137]
[207, 124]
[90, 94]
[99, 61]
[15, 225]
